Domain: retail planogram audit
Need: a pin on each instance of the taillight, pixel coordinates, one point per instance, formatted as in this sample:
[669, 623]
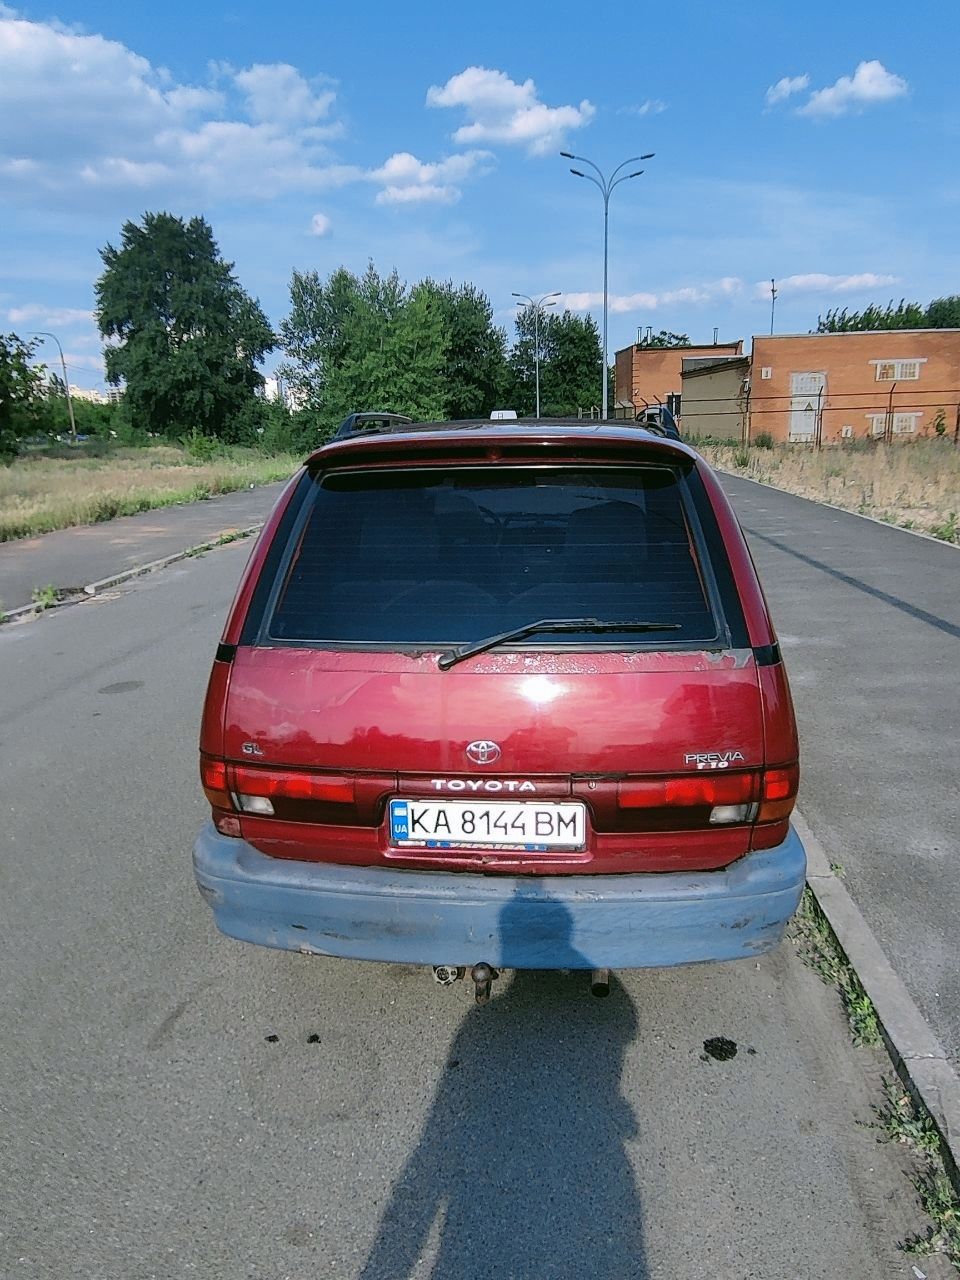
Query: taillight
[723, 797]
[779, 793]
[255, 789]
[213, 776]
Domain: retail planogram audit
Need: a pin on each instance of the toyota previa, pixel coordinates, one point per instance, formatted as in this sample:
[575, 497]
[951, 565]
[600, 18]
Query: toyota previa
[501, 695]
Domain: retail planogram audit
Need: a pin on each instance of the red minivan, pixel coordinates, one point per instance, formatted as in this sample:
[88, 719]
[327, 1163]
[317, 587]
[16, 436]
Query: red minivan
[501, 695]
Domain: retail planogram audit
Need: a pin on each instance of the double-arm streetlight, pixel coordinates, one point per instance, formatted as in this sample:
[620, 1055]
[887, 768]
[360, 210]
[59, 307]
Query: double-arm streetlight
[539, 305]
[42, 333]
[606, 187]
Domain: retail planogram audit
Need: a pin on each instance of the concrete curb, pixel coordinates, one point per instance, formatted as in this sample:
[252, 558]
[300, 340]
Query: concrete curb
[920, 1059]
[832, 506]
[116, 579]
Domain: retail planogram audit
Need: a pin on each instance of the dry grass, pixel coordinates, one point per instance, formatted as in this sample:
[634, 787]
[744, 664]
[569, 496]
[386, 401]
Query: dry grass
[41, 493]
[915, 485]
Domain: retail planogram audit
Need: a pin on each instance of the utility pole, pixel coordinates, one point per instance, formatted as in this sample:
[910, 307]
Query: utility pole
[818, 436]
[888, 423]
[773, 303]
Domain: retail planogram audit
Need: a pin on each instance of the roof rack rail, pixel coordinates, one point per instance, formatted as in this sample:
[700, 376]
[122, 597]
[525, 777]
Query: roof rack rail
[356, 424]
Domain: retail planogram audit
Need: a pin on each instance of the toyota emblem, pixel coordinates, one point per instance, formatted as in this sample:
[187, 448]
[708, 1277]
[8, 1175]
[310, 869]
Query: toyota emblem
[483, 752]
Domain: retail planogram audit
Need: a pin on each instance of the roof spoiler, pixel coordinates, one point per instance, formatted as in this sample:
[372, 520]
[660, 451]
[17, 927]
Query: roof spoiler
[358, 424]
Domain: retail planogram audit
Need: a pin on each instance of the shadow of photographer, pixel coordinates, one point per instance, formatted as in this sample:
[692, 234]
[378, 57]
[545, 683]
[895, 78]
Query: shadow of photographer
[522, 1157]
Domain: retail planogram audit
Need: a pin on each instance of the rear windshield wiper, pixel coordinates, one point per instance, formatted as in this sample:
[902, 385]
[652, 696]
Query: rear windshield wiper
[547, 624]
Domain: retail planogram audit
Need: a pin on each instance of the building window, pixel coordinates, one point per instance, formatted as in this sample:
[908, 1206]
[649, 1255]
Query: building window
[766, 372]
[897, 370]
[904, 424]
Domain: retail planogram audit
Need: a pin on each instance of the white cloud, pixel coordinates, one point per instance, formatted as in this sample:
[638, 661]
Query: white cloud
[116, 122]
[320, 225]
[818, 282]
[786, 87]
[871, 82]
[621, 303]
[406, 180]
[501, 110]
[277, 92]
[652, 107]
[49, 317]
[77, 361]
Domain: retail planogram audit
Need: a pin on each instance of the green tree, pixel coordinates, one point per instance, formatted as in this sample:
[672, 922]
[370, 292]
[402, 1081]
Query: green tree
[665, 339]
[574, 372]
[369, 342]
[318, 332]
[571, 364]
[944, 313]
[185, 337]
[21, 394]
[475, 370]
[906, 315]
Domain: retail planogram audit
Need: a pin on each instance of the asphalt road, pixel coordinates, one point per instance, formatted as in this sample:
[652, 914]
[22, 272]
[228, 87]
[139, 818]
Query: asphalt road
[176, 1104]
[869, 623]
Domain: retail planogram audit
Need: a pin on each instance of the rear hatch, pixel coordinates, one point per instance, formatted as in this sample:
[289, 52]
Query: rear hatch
[356, 729]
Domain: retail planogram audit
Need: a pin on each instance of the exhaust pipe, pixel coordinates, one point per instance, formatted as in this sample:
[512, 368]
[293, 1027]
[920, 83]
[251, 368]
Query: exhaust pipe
[600, 983]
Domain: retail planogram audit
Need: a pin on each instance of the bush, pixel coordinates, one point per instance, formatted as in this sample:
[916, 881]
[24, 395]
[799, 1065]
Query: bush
[284, 432]
[201, 447]
[763, 440]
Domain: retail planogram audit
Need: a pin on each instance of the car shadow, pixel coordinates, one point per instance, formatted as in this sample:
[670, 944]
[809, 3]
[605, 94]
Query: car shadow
[521, 1163]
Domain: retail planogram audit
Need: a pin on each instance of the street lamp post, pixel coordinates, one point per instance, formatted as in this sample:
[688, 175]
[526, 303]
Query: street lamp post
[538, 305]
[42, 333]
[606, 187]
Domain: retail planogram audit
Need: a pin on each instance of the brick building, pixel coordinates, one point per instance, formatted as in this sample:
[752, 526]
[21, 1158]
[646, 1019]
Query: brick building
[653, 374]
[886, 383]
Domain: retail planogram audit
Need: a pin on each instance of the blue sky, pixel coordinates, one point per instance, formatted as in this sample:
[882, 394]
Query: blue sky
[815, 143]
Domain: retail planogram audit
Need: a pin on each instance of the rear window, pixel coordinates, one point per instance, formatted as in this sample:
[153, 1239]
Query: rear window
[450, 555]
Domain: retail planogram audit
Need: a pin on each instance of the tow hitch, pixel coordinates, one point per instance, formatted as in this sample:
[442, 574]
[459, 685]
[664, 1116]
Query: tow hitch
[483, 976]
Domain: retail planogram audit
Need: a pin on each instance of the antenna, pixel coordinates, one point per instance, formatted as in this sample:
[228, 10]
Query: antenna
[716, 331]
[773, 302]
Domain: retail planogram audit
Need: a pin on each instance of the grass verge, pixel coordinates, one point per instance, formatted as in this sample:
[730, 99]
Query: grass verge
[899, 1120]
[820, 951]
[45, 597]
[912, 485]
[40, 493]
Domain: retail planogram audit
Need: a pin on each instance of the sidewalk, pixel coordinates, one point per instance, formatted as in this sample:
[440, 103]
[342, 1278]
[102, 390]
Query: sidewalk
[70, 558]
[869, 624]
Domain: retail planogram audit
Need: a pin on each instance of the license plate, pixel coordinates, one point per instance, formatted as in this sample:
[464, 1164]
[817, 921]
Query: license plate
[454, 824]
